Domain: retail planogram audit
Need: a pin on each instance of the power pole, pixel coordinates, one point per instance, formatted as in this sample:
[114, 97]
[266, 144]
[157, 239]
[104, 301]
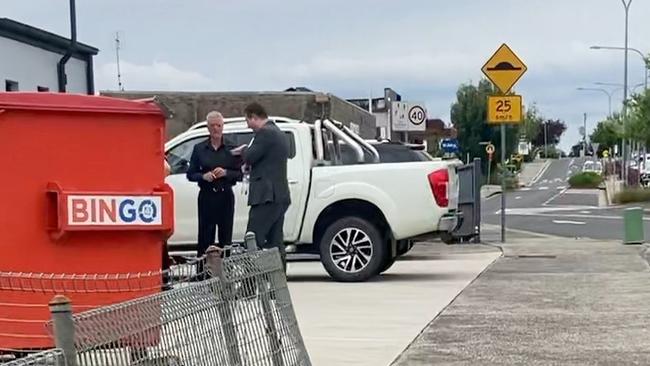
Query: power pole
[120, 87]
[545, 140]
[584, 135]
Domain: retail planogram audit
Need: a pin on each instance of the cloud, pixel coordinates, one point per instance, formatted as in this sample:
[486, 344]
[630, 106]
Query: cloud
[159, 75]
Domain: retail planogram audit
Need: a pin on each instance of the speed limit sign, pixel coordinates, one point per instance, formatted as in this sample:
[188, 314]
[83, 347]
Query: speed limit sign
[417, 115]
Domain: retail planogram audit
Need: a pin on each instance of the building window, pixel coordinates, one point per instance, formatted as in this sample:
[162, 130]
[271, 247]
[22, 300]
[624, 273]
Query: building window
[11, 85]
[42, 88]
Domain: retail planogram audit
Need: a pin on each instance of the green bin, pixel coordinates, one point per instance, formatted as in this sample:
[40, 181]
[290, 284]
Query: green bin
[633, 222]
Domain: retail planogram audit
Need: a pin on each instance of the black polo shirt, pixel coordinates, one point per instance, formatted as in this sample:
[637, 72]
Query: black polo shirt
[205, 158]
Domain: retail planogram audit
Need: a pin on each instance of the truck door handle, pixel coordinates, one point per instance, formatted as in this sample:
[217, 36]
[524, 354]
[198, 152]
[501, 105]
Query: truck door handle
[293, 181]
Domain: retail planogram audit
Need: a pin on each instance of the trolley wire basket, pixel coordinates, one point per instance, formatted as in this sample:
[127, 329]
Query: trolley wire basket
[24, 298]
[240, 314]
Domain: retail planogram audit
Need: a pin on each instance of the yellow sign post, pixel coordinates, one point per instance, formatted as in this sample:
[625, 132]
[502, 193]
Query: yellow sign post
[504, 109]
[504, 69]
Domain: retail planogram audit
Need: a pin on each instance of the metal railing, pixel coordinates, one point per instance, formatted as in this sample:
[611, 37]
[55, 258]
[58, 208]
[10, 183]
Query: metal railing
[241, 315]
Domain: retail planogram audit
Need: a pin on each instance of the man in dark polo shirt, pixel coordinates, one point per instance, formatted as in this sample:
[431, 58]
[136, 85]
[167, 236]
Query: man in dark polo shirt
[216, 170]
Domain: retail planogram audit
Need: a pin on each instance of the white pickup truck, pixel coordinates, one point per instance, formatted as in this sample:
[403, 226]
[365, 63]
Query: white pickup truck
[357, 213]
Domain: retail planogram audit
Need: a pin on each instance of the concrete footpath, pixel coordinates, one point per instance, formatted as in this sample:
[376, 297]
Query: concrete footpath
[547, 301]
[371, 323]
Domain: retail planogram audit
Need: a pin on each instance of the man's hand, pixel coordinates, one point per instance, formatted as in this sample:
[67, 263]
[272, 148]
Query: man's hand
[238, 150]
[218, 173]
[209, 177]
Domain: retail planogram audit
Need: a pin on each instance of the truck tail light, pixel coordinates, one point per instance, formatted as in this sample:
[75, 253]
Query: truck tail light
[439, 182]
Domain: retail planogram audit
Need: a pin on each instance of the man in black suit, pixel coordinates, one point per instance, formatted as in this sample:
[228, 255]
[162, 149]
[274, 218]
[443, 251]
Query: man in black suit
[269, 196]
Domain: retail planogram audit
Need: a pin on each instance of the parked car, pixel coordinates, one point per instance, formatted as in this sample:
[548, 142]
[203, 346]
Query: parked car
[592, 166]
[358, 213]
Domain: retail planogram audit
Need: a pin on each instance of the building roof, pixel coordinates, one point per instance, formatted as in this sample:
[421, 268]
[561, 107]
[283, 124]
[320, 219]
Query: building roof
[43, 39]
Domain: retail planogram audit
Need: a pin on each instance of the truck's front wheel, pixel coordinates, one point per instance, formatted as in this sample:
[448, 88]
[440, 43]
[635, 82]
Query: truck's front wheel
[352, 250]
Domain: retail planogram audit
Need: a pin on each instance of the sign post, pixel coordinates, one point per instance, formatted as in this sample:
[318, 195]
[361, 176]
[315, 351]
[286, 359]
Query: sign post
[489, 149]
[504, 69]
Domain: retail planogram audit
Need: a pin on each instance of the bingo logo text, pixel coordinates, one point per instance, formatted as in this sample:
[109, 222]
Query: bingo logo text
[114, 210]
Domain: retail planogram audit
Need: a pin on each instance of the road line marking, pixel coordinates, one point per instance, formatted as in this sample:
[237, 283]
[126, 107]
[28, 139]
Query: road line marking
[518, 197]
[575, 216]
[524, 189]
[545, 181]
[560, 187]
[543, 188]
[517, 231]
[585, 212]
[569, 222]
[554, 197]
[541, 172]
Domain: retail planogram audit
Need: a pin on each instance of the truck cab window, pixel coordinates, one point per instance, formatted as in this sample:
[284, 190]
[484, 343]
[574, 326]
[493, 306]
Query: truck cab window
[179, 156]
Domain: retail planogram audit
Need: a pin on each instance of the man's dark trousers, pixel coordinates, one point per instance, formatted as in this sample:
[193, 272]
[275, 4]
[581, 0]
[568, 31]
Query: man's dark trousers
[216, 208]
[266, 221]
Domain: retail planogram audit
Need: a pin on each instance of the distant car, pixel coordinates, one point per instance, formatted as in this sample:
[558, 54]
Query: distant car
[593, 167]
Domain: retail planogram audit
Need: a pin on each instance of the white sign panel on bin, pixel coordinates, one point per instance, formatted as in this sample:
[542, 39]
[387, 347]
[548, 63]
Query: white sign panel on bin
[409, 116]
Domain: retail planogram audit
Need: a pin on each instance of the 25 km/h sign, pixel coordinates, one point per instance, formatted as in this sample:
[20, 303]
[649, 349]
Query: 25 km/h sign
[504, 69]
[504, 109]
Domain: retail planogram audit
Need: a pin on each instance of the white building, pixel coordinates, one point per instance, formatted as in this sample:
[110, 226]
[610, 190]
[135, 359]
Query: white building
[30, 59]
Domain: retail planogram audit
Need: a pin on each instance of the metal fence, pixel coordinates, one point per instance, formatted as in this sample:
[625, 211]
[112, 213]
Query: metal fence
[242, 315]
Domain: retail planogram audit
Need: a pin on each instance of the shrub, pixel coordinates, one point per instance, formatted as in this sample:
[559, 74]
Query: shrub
[632, 195]
[585, 180]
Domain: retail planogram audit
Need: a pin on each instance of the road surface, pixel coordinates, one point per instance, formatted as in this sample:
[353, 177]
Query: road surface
[548, 206]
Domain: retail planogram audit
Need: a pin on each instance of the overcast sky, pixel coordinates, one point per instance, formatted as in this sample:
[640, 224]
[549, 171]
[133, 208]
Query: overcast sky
[422, 49]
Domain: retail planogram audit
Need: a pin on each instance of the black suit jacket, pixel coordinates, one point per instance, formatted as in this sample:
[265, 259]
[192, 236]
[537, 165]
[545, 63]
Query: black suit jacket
[267, 157]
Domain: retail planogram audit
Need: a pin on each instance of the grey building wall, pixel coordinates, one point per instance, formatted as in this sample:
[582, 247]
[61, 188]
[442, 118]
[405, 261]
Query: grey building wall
[188, 108]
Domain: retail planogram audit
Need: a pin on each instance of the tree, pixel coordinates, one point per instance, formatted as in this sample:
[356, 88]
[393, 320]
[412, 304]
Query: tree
[469, 117]
[639, 120]
[554, 130]
[532, 123]
[608, 133]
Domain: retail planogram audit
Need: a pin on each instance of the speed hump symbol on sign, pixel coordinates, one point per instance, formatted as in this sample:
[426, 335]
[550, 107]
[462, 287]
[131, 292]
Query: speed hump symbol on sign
[489, 149]
[417, 115]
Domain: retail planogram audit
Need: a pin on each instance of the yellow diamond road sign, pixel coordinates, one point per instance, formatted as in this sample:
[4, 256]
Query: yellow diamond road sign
[504, 68]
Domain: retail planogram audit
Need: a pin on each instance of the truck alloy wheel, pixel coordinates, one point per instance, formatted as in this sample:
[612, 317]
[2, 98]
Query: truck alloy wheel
[352, 250]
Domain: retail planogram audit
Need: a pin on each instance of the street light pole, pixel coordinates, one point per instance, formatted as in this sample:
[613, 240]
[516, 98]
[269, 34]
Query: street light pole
[609, 96]
[646, 61]
[626, 4]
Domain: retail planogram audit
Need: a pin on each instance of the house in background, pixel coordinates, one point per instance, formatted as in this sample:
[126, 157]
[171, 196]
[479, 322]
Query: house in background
[31, 57]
